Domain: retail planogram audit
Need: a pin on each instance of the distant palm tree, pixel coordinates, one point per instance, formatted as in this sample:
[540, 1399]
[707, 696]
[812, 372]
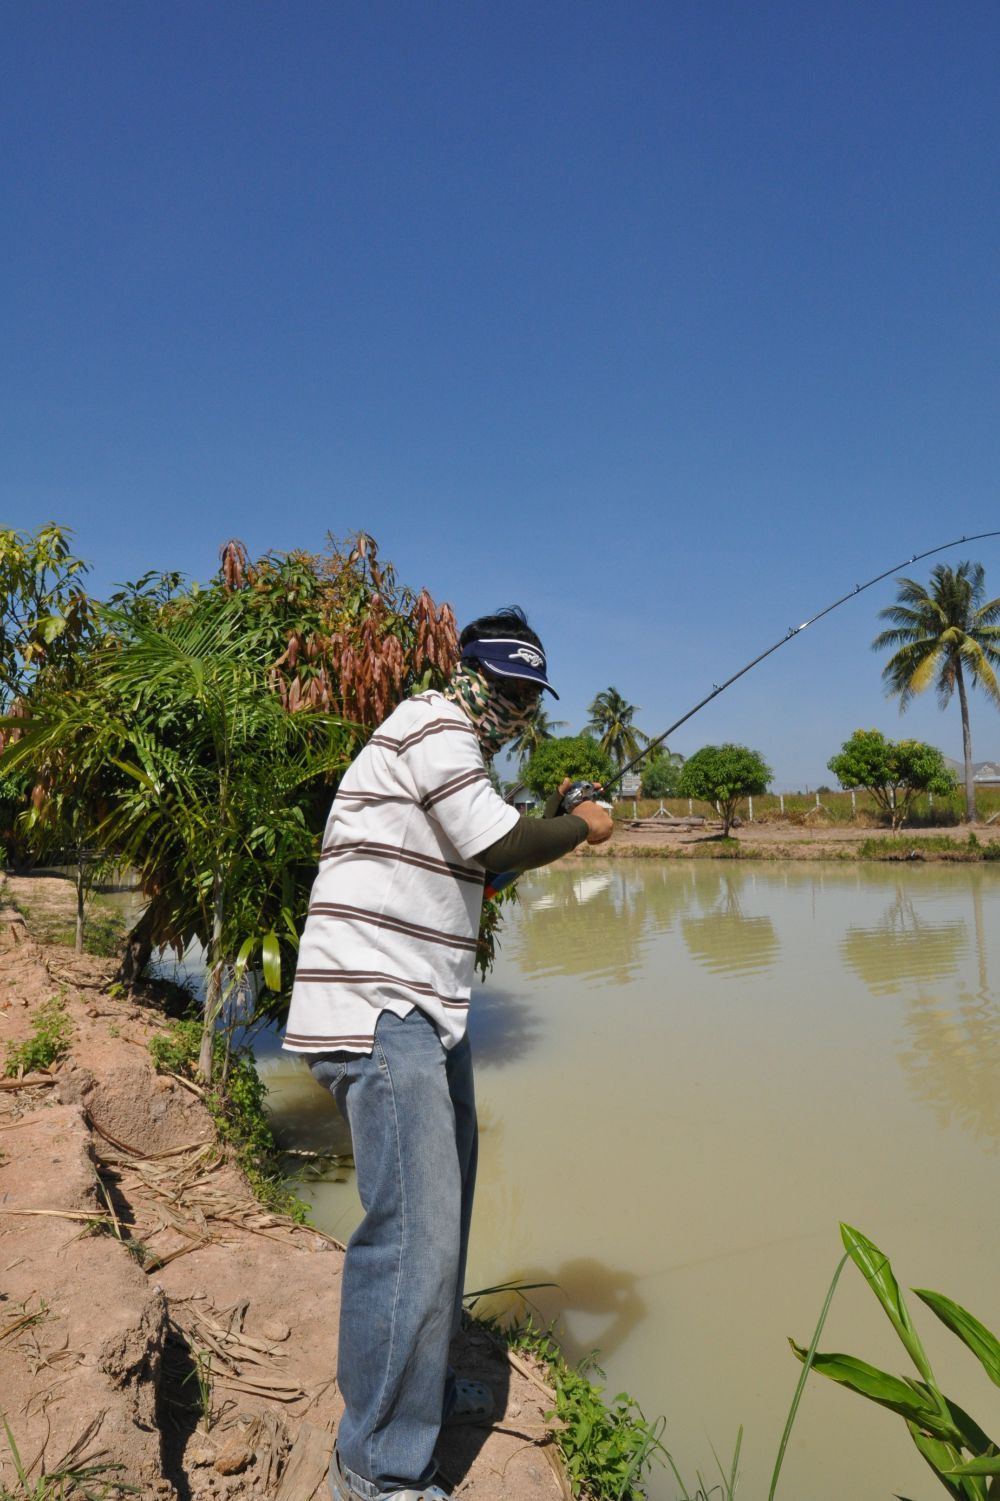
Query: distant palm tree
[611, 719]
[943, 633]
[541, 728]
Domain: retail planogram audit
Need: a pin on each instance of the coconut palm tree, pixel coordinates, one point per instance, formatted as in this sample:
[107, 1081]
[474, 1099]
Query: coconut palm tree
[943, 633]
[611, 719]
[540, 729]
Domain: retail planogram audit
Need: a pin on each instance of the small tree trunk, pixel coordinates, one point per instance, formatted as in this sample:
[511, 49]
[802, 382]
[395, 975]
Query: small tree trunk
[970, 791]
[213, 996]
[80, 899]
[138, 949]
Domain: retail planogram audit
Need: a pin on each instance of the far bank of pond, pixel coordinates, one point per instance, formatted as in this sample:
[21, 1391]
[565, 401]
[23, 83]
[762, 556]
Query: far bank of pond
[778, 840]
[688, 1073]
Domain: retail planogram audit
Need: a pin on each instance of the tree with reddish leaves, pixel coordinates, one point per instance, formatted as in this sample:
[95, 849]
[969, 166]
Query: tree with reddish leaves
[215, 723]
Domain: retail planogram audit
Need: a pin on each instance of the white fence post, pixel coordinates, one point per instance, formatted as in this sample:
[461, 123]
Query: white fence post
[854, 803]
[690, 807]
[750, 801]
[781, 800]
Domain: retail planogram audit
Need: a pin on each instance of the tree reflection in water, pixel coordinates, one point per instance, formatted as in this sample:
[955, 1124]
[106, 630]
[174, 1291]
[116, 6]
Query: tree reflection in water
[953, 1045]
[592, 922]
[724, 940]
[903, 946]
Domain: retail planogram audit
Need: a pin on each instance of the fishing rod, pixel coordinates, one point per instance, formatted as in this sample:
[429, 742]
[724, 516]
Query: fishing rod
[581, 791]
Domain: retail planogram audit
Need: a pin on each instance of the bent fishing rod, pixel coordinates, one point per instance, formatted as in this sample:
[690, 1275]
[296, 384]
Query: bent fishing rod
[581, 791]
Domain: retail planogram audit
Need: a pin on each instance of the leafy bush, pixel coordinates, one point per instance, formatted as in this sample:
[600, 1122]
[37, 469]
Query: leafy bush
[661, 774]
[576, 756]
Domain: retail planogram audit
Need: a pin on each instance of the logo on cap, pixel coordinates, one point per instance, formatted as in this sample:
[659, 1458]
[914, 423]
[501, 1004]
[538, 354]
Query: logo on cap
[529, 655]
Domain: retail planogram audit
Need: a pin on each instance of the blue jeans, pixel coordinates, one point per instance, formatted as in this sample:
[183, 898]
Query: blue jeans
[412, 1112]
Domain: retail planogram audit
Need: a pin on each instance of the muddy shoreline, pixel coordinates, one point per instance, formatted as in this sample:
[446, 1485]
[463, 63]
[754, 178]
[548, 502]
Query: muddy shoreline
[777, 840]
[158, 1324]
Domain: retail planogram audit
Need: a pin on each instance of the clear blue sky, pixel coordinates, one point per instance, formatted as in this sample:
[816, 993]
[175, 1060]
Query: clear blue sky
[669, 321]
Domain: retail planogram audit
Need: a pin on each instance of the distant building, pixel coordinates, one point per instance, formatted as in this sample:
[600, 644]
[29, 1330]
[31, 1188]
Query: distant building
[984, 773]
[629, 785]
[522, 798]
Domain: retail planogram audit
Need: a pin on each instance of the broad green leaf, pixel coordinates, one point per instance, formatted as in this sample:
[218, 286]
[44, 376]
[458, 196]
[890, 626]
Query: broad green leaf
[984, 1345]
[986, 1464]
[243, 957]
[942, 1458]
[271, 954]
[875, 1268]
[50, 627]
[888, 1391]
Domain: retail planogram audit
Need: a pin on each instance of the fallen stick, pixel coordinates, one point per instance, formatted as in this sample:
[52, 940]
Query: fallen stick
[529, 1375]
[30, 1081]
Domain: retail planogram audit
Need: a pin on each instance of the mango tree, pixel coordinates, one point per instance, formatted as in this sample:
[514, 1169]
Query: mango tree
[894, 772]
[724, 775]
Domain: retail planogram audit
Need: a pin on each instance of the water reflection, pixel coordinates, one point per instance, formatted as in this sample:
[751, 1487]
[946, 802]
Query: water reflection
[953, 1058]
[725, 940]
[903, 946]
[953, 1046]
[596, 924]
[580, 923]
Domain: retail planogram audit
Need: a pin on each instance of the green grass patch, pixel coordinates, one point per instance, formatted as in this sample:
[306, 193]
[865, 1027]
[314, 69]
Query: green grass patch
[51, 1035]
[939, 847]
[237, 1108]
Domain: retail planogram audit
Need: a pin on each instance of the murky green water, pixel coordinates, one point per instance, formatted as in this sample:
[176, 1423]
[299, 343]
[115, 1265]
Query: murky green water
[687, 1075]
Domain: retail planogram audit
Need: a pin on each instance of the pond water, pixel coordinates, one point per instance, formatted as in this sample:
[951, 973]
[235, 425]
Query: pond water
[687, 1075]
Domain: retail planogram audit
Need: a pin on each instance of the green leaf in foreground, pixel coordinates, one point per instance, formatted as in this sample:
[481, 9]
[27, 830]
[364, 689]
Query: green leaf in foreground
[888, 1391]
[875, 1268]
[983, 1344]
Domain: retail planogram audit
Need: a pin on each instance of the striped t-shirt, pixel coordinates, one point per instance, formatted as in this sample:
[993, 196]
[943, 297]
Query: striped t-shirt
[394, 912]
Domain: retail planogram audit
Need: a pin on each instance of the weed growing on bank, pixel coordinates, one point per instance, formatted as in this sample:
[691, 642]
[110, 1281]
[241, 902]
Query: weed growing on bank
[236, 1105]
[607, 1448]
[96, 1482]
[51, 1035]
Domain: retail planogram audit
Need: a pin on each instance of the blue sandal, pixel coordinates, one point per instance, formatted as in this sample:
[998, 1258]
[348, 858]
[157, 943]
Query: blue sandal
[473, 1402]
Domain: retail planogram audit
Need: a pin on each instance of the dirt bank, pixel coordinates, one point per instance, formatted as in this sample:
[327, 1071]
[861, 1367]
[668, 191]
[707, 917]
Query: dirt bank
[772, 840]
[153, 1316]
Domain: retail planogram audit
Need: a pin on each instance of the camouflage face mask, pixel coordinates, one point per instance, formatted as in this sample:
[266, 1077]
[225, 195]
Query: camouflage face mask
[496, 715]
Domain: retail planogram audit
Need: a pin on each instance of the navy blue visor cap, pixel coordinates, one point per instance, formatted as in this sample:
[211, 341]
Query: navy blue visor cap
[510, 659]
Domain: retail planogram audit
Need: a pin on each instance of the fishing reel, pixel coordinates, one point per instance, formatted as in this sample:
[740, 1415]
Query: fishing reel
[580, 792]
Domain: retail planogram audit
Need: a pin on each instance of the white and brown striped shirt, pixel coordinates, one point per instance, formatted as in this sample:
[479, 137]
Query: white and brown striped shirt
[394, 911]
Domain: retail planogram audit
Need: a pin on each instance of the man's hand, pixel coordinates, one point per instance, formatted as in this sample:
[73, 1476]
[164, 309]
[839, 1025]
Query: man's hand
[600, 824]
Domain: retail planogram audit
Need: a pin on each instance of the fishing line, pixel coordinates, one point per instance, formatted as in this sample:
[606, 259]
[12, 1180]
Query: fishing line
[793, 630]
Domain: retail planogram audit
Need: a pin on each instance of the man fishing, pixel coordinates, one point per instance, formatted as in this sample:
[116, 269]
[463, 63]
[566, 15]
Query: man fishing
[379, 1008]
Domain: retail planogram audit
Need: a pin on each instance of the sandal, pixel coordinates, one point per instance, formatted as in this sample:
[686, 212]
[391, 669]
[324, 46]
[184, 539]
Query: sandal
[342, 1490]
[473, 1403]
